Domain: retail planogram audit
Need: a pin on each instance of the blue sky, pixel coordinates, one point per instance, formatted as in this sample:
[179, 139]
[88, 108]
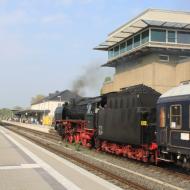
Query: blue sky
[45, 45]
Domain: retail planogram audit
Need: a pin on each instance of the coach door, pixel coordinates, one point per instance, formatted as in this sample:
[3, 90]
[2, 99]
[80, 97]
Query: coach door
[163, 129]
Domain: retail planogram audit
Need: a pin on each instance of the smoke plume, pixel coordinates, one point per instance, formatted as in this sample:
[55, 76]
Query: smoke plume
[90, 82]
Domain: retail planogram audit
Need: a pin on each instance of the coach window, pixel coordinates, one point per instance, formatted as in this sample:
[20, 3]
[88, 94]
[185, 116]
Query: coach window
[162, 117]
[175, 116]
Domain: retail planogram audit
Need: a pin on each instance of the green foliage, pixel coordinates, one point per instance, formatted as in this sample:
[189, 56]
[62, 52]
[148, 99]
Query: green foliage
[77, 146]
[37, 98]
[107, 79]
[101, 91]
[5, 114]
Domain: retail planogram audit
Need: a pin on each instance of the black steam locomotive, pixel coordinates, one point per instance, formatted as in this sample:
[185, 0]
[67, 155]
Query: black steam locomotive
[127, 123]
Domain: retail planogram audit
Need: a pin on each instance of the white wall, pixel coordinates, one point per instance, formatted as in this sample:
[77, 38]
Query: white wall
[50, 105]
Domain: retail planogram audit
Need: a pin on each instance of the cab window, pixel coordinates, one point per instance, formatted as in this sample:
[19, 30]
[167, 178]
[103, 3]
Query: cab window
[175, 116]
[162, 117]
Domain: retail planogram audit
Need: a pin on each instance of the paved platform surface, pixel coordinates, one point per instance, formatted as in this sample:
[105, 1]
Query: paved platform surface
[26, 166]
[42, 128]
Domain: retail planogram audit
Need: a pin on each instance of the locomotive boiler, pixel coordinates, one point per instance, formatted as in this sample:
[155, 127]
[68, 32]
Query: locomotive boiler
[77, 121]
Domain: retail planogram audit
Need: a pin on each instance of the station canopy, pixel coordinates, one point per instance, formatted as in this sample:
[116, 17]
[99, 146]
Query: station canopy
[134, 28]
[30, 112]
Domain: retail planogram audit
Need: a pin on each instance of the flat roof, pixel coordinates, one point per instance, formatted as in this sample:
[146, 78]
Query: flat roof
[150, 17]
[30, 111]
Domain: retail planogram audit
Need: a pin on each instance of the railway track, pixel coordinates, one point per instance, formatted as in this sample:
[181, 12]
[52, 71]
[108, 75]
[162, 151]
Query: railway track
[51, 142]
[170, 169]
[44, 140]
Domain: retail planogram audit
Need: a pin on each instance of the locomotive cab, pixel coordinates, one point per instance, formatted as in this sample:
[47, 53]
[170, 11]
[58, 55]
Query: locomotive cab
[148, 124]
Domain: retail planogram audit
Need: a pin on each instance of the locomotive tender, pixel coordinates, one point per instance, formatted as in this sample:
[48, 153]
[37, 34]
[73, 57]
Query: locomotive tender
[136, 123]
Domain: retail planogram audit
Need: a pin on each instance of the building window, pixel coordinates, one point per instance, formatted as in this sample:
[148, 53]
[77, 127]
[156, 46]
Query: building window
[116, 50]
[145, 37]
[129, 44]
[123, 47]
[110, 53]
[183, 58]
[158, 35]
[183, 37]
[175, 116]
[162, 117]
[137, 40]
[171, 36]
[164, 58]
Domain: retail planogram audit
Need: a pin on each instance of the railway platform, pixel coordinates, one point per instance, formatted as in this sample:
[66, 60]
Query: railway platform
[42, 128]
[26, 166]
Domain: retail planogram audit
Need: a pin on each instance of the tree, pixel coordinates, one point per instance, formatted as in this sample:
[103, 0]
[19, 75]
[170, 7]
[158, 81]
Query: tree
[37, 98]
[5, 113]
[107, 79]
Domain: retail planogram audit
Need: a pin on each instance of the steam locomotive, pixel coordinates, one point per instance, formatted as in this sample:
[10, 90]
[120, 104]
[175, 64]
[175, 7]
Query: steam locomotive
[136, 123]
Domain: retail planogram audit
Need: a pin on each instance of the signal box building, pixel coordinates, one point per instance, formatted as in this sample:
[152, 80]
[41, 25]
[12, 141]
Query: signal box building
[151, 49]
